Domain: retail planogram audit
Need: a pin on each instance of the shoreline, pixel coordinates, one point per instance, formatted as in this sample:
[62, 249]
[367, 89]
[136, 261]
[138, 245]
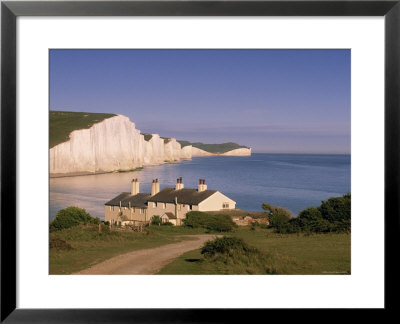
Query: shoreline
[86, 173]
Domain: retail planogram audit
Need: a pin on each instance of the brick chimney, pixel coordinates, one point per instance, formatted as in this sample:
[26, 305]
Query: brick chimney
[179, 185]
[134, 187]
[202, 185]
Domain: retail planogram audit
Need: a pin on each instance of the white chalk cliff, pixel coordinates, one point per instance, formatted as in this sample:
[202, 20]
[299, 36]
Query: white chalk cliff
[236, 152]
[116, 145]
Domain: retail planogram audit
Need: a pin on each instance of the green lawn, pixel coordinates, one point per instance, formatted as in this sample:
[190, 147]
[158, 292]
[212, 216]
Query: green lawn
[290, 253]
[62, 123]
[90, 247]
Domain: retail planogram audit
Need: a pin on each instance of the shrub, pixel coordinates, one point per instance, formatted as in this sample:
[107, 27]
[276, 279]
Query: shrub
[277, 215]
[72, 216]
[311, 214]
[291, 226]
[341, 226]
[333, 215]
[225, 245]
[218, 223]
[336, 209]
[233, 255]
[166, 224]
[156, 220]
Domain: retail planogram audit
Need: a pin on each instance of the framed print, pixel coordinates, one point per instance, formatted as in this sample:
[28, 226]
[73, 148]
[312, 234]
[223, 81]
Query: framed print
[236, 149]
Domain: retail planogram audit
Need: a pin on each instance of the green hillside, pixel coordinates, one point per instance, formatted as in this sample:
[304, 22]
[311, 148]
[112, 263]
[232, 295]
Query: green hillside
[62, 123]
[214, 148]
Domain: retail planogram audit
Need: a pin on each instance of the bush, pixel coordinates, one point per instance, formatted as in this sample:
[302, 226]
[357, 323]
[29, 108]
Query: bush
[233, 255]
[343, 226]
[72, 216]
[277, 216]
[333, 215]
[156, 220]
[310, 214]
[337, 209]
[218, 223]
[167, 224]
[225, 245]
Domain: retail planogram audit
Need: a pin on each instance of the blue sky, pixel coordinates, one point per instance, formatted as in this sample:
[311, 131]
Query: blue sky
[278, 101]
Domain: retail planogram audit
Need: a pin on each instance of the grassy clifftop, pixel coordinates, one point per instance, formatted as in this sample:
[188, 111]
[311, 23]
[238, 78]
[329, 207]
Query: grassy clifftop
[214, 148]
[62, 123]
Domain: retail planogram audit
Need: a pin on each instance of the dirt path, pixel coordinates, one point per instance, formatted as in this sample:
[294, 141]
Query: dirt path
[147, 261]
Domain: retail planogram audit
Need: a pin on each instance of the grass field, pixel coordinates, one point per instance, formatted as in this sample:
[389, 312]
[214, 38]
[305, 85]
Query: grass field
[62, 123]
[79, 247]
[288, 254]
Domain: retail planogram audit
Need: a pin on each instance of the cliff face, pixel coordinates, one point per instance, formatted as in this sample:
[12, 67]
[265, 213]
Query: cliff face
[237, 152]
[115, 144]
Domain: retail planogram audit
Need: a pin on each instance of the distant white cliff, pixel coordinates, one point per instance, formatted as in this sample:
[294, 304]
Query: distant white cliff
[236, 152]
[116, 145]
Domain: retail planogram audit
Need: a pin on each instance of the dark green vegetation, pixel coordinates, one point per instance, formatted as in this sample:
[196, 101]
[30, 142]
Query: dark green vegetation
[213, 148]
[70, 217]
[215, 223]
[262, 251]
[130, 170]
[236, 256]
[62, 123]
[157, 220]
[333, 215]
[238, 213]
[277, 215]
[148, 137]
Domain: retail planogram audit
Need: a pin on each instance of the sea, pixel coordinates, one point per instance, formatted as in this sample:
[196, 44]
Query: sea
[292, 181]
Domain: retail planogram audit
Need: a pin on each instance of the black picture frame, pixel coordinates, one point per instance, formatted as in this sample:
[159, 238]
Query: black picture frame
[10, 10]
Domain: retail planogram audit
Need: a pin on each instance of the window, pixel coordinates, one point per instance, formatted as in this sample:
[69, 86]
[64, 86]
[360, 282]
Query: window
[190, 207]
[154, 204]
[112, 208]
[225, 205]
[141, 210]
[164, 205]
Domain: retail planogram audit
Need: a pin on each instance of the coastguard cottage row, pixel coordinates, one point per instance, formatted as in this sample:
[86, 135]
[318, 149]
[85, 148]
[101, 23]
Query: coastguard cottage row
[171, 204]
